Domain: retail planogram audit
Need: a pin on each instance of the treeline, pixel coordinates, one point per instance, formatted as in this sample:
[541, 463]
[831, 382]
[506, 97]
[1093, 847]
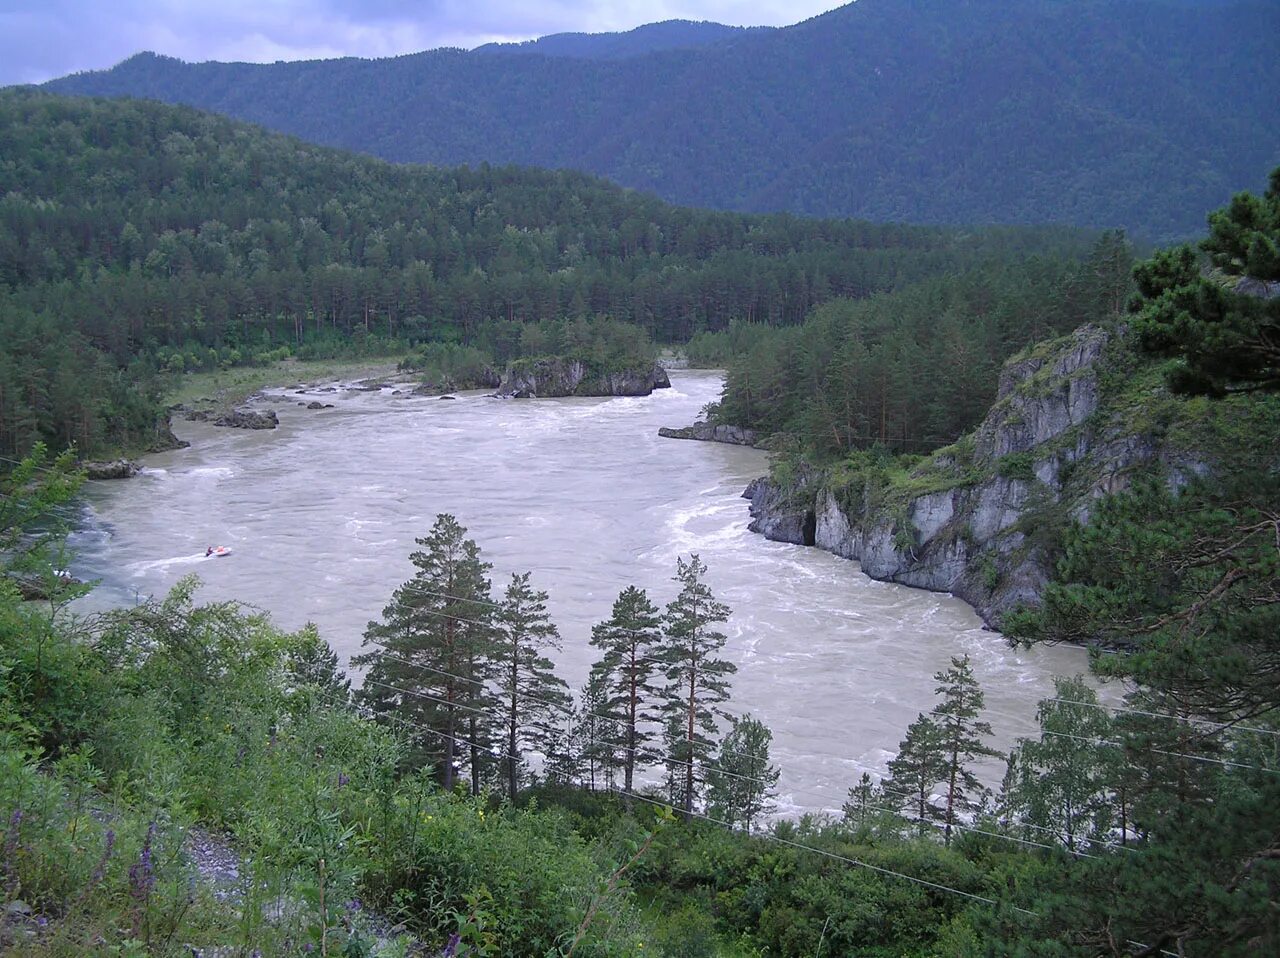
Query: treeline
[152, 223]
[187, 240]
[912, 369]
[465, 673]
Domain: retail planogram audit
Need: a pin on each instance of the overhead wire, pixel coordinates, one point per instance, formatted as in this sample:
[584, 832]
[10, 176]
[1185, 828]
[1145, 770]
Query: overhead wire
[411, 587]
[672, 760]
[499, 753]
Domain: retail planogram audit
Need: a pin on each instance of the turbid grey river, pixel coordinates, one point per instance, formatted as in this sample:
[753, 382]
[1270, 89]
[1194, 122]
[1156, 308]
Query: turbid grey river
[321, 515]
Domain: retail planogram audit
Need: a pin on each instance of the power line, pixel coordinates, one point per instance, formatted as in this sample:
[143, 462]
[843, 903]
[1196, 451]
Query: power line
[569, 710]
[672, 760]
[828, 854]
[768, 837]
[410, 587]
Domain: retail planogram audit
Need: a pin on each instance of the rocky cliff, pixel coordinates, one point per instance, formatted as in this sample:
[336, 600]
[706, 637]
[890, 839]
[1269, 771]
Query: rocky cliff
[562, 376]
[1074, 419]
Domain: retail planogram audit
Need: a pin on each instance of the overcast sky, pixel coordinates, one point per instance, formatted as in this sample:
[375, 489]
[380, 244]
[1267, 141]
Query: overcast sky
[42, 39]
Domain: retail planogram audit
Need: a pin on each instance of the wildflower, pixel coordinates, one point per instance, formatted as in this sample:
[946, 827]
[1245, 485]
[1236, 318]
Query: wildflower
[354, 905]
[451, 948]
[343, 779]
[142, 879]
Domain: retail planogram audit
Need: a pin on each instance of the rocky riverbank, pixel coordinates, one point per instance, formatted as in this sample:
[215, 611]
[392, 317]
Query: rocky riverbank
[1074, 419]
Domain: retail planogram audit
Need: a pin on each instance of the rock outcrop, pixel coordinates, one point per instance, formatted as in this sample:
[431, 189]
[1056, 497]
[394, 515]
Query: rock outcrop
[163, 439]
[558, 376]
[115, 469]
[712, 432]
[248, 419]
[35, 588]
[975, 519]
[485, 378]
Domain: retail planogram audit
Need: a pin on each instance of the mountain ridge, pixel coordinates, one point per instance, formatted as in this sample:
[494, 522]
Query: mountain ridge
[1094, 113]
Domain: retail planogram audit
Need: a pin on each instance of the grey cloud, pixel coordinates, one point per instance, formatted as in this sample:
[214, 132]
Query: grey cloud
[39, 41]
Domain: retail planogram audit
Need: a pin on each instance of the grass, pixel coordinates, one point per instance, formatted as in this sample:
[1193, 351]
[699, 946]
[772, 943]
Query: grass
[230, 387]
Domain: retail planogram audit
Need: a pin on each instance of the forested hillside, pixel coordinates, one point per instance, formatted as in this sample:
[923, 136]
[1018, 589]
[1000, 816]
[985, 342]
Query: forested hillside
[137, 237]
[1142, 114]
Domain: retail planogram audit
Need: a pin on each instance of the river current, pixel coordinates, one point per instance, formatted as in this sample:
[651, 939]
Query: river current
[321, 515]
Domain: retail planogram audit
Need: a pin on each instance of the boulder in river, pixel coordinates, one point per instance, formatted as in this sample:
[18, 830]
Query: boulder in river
[316, 404]
[115, 469]
[248, 419]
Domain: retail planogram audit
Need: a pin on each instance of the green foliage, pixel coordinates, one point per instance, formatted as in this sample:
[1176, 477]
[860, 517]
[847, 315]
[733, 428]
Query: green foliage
[1181, 585]
[961, 734]
[628, 641]
[741, 783]
[530, 695]
[1063, 784]
[428, 656]
[1017, 465]
[912, 369]
[1221, 334]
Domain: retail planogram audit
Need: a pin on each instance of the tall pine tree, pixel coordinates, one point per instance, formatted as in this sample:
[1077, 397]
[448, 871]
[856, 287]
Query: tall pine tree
[960, 740]
[424, 656]
[628, 639]
[532, 697]
[698, 680]
[916, 769]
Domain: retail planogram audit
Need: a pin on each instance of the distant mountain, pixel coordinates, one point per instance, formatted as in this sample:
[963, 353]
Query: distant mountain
[1101, 113]
[650, 38]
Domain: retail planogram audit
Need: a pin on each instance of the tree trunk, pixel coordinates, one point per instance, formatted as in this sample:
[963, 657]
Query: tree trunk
[446, 773]
[511, 726]
[629, 763]
[688, 770]
[474, 726]
[951, 794]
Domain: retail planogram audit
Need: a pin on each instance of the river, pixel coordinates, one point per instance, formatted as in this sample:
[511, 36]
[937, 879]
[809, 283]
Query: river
[321, 515]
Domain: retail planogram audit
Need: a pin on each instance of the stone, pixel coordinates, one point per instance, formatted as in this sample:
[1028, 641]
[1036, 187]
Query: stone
[248, 419]
[116, 469]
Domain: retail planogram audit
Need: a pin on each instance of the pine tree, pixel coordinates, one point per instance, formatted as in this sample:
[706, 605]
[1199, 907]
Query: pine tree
[1060, 781]
[1223, 333]
[862, 801]
[960, 740]
[601, 740]
[741, 782]
[698, 681]
[629, 639]
[917, 768]
[313, 664]
[424, 658]
[532, 697]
